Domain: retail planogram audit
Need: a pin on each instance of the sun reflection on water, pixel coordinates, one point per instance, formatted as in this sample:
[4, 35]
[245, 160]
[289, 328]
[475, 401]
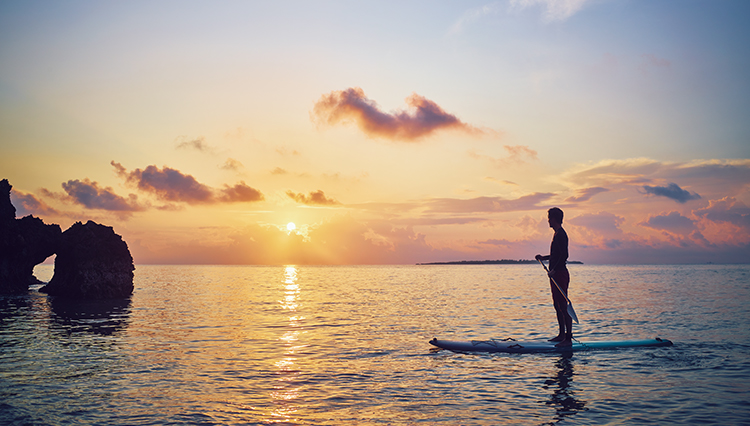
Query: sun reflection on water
[286, 392]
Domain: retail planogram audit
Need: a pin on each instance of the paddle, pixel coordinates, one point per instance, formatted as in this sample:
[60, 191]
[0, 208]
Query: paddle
[571, 311]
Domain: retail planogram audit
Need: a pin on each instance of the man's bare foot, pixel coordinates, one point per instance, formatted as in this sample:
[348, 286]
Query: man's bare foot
[559, 338]
[564, 343]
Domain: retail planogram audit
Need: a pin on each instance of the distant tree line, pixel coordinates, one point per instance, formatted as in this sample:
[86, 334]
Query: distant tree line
[494, 262]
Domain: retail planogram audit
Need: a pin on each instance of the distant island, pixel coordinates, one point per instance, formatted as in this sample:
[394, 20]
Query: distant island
[494, 262]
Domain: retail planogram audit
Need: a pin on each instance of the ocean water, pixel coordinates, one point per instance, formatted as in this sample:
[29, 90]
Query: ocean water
[307, 345]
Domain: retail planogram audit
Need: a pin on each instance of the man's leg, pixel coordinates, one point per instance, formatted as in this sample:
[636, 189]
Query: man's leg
[563, 280]
[560, 312]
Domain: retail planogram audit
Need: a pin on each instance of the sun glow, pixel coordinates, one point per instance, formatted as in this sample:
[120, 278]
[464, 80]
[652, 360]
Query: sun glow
[291, 226]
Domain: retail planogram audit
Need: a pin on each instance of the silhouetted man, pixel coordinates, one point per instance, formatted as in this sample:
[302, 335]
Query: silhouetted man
[558, 255]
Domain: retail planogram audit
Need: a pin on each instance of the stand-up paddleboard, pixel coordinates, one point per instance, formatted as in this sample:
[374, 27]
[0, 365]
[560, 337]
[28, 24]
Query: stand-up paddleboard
[514, 346]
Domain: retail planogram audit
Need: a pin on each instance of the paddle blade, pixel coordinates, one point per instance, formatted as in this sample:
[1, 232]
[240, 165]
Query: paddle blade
[572, 312]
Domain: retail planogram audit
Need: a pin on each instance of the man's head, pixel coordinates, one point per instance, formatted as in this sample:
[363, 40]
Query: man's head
[555, 215]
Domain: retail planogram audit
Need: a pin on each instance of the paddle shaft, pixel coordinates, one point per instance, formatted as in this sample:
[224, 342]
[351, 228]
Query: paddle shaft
[556, 285]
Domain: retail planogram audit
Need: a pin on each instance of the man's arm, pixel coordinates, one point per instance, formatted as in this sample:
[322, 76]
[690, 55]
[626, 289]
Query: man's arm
[550, 272]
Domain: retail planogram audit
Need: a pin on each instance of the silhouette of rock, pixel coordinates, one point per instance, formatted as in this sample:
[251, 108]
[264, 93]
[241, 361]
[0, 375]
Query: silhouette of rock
[7, 210]
[92, 263]
[24, 243]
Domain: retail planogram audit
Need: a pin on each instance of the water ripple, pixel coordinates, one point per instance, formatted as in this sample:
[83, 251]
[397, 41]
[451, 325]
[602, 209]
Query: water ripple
[216, 345]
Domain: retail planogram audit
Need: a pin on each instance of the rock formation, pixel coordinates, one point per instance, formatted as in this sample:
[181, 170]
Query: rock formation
[92, 261]
[24, 243]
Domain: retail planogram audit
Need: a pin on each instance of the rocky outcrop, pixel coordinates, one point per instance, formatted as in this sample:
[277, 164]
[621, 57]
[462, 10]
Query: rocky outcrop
[24, 243]
[92, 263]
[7, 210]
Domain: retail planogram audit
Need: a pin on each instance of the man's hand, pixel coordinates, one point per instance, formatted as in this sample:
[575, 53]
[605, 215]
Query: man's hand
[538, 257]
[551, 273]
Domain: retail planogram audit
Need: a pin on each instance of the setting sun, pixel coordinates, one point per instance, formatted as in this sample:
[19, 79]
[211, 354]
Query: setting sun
[291, 226]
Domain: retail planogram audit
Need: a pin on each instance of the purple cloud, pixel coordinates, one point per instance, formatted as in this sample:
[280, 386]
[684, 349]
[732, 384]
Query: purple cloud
[27, 204]
[672, 191]
[352, 105]
[169, 184]
[90, 195]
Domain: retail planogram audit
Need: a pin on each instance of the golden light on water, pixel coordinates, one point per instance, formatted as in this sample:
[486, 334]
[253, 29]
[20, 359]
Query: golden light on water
[285, 394]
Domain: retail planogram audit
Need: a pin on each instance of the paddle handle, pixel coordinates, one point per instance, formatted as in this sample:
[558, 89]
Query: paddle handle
[553, 280]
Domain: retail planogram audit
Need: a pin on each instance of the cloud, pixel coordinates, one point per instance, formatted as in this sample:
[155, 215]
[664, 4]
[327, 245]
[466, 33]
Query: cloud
[728, 210]
[198, 143]
[501, 181]
[518, 151]
[473, 15]
[285, 152]
[599, 231]
[653, 62]
[279, 171]
[435, 221]
[517, 154]
[315, 198]
[347, 240]
[672, 191]
[169, 184]
[585, 194]
[239, 193]
[554, 10]
[351, 105]
[232, 164]
[730, 175]
[489, 204]
[342, 240]
[90, 195]
[27, 204]
[607, 172]
[496, 242]
[603, 222]
[672, 222]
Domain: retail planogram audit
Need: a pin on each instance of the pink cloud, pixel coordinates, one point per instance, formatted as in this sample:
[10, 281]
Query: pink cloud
[672, 222]
[351, 105]
[728, 210]
[518, 151]
[600, 230]
[27, 204]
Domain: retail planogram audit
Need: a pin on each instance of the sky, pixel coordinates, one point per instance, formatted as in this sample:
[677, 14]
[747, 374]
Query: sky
[386, 132]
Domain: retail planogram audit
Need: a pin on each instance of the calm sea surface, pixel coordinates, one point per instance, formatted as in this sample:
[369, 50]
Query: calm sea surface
[215, 345]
